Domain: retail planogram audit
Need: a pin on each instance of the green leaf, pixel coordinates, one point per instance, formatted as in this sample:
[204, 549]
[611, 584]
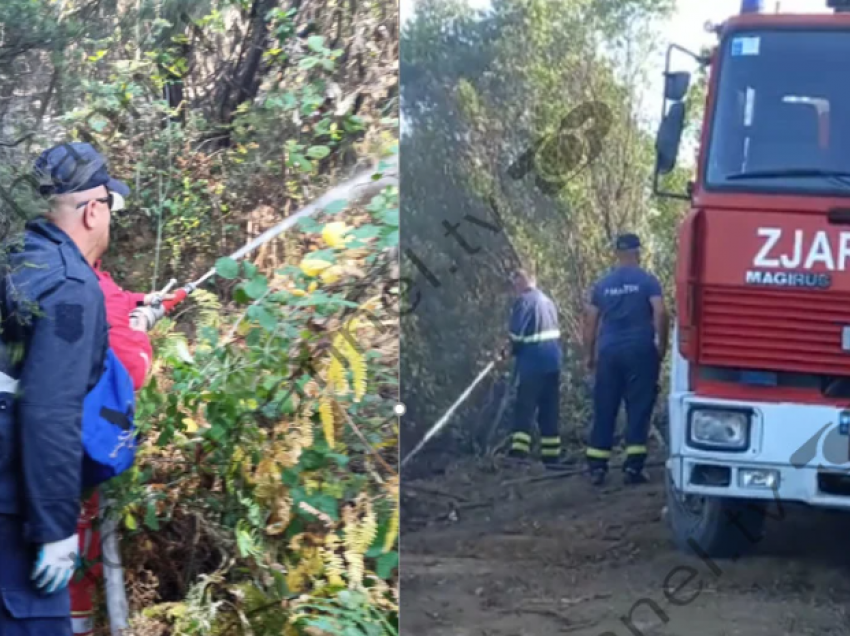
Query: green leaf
[341, 460]
[366, 232]
[377, 203]
[267, 319]
[257, 287]
[165, 437]
[216, 432]
[244, 542]
[227, 268]
[385, 564]
[324, 503]
[316, 43]
[300, 161]
[318, 152]
[391, 240]
[308, 63]
[250, 269]
[150, 517]
[390, 217]
[323, 624]
[335, 207]
[241, 296]
[309, 224]
[98, 124]
[322, 255]
[289, 477]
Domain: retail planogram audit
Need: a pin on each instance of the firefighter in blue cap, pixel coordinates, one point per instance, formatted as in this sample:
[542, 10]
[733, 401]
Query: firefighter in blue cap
[626, 311]
[535, 343]
[52, 347]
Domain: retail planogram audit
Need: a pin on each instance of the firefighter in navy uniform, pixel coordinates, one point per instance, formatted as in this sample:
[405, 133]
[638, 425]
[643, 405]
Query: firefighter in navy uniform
[535, 343]
[626, 310]
[52, 349]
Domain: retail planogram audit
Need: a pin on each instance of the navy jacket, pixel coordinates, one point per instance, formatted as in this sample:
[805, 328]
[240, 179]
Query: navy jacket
[623, 299]
[52, 350]
[535, 335]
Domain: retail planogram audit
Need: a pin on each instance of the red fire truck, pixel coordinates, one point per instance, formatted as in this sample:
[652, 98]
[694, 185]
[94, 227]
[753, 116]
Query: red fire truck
[759, 402]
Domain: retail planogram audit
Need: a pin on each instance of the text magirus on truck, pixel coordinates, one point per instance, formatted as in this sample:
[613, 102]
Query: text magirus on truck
[760, 378]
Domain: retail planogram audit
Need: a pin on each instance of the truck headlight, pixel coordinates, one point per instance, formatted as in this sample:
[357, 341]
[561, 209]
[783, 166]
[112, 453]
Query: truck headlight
[719, 428]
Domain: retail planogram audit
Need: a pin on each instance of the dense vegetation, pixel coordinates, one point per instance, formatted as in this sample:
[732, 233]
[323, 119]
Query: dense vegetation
[264, 500]
[479, 90]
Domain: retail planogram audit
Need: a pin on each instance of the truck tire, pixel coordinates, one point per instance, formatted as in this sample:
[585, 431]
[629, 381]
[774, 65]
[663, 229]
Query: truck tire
[716, 527]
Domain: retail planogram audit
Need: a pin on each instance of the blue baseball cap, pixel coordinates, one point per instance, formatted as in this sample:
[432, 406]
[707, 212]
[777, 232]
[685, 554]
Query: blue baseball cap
[627, 242]
[74, 167]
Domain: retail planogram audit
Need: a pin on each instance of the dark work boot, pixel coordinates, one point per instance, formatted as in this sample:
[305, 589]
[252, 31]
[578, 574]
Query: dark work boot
[598, 475]
[634, 476]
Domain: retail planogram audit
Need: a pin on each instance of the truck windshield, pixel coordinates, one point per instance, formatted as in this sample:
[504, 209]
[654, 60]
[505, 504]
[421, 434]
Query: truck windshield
[782, 114]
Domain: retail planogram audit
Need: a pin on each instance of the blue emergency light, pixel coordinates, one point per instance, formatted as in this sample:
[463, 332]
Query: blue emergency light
[844, 423]
[751, 6]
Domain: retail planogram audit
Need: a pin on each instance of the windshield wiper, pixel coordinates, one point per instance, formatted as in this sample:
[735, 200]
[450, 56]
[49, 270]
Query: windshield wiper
[789, 172]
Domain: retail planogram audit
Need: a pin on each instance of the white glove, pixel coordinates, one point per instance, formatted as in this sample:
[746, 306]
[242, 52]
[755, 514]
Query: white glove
[55, 564]
[144, 318]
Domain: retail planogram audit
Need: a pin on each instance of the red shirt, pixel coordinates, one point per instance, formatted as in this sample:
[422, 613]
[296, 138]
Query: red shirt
[133, 348]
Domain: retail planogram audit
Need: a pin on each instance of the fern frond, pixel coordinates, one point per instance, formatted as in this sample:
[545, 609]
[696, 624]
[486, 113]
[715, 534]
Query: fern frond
[367, 530]
[336, 373]
[326, 412]
[334, 566]
[209, 308]
[356, 568]
[305, 430]
[354, 358]
[280, 517]
[392, 529]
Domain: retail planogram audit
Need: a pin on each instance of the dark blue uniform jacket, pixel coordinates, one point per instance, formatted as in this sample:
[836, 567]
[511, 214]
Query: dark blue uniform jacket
[623, 299]
[535, 334]
[52, 349]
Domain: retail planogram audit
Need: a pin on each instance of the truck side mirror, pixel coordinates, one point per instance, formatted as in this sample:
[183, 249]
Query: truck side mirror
[668, 139]
[676, 85]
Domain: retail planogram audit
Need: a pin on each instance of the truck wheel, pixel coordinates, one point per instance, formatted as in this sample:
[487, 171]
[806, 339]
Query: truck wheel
[713, 526]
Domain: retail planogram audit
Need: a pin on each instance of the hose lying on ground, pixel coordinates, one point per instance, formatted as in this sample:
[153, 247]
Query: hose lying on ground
[444, 420]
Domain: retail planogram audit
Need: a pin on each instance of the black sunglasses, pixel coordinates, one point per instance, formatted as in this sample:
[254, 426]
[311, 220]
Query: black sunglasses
[108, 199]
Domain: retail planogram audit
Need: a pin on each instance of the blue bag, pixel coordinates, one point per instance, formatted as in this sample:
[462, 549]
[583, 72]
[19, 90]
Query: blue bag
[109, 434]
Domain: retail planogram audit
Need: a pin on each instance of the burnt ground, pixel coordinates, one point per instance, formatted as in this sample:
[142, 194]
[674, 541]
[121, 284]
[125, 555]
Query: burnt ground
[482, 556]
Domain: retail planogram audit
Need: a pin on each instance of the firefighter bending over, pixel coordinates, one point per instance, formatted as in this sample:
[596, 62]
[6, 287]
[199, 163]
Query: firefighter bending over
[626, 310]
[535, 342]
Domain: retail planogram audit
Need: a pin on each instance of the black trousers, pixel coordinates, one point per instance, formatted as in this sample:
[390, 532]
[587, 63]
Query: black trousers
[538, 394]
[626, 373]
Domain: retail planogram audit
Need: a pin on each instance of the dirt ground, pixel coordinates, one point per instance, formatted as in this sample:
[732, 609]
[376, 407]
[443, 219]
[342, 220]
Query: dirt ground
[482, 556]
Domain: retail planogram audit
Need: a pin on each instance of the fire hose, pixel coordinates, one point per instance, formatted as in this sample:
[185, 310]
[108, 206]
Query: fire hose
[448, 414]
[343, 191]
[116, 598]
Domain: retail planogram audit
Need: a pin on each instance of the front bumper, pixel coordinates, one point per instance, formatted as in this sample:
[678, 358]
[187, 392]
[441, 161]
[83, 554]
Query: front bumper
[806, 445]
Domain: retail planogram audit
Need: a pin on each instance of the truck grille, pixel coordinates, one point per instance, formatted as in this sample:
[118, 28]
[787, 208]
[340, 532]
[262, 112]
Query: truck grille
[774, 330]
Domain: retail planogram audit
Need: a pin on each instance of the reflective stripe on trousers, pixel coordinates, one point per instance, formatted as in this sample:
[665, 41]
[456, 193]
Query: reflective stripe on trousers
[521, 442]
